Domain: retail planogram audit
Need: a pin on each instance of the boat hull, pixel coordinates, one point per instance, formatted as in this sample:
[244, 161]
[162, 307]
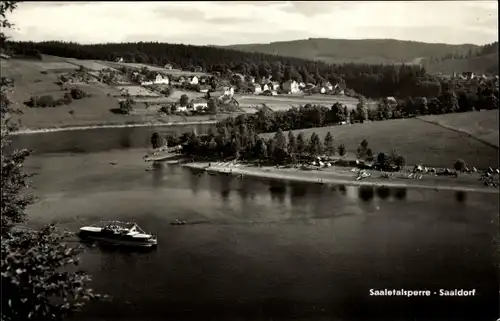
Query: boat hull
[118, 241]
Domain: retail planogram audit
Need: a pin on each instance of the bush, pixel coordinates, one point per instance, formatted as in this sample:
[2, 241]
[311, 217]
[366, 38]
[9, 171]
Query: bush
[167, 110]
[77, 93]
[399, 161]
[44, 101]
[126, 106]
[167, 91]
[460, 165]
[342, 150]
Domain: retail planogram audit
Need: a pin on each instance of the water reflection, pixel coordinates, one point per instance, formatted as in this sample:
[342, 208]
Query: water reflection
[277, 190]
[195, 177]
[366, 193]
[383, 192]
[125, 141]
[157, 172]
[460, 196]
[343, 189]
[400, 193]
[225, 187]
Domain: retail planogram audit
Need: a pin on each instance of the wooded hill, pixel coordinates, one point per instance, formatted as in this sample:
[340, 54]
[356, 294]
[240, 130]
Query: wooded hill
[436, 57]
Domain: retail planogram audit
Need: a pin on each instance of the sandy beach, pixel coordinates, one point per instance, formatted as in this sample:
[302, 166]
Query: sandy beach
[346, 176]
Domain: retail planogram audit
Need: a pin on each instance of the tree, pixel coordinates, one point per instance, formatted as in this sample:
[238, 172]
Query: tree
[362, 150]
[212, 106]
[315, 147]
[421, 103]
[460, 165]
[35, 281]
[301, 144]
[280, 146]
[270, 146]
[399, 161]
[434, 106]
[184, 100]
[337, 113]
[395, 160]
[292, 143]
[280, 139]
[77, 93]
[127, 106]
[261, 149]
[448, 102]
[382, 161]
[156, 140]
[342, 150]
[329, 146]
[362, 109]
[234, 148]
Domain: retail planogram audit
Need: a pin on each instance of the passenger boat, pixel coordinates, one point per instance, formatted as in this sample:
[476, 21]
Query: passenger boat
[118, 233]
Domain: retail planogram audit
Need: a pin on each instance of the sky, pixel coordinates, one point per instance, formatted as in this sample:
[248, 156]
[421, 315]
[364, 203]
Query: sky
[241, 22]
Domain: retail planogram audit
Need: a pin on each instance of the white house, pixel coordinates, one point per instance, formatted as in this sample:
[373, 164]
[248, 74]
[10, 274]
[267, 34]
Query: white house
[257, 89]
[265, 87]
[182, 108]
[274, 85]
[159, 80]
[323, 90]
[168, 66]
[302, 85]
[328, 85]
[291, 86]
[198, 104]
[228, 91]
[120, 59]
[193, 80]
[163, 80]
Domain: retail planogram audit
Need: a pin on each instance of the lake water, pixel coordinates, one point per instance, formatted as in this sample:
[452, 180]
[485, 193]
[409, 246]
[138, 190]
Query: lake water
[266, 250]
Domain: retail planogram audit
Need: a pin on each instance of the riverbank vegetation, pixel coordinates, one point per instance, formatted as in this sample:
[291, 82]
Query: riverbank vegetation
[38, 280]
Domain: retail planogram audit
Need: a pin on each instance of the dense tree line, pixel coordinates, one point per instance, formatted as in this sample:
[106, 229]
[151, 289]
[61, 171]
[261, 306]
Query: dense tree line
[369, 80]
[488, 49]
[243, 143]
[309, 116]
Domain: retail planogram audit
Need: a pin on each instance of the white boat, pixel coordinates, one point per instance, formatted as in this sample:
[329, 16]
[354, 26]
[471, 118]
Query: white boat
[118, 233]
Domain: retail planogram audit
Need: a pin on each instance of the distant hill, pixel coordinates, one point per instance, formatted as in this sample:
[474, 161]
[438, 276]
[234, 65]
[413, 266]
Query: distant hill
[486, 64]
[379, 51]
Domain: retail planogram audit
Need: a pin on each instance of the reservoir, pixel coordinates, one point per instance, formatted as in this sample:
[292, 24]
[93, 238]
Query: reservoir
[260, 249]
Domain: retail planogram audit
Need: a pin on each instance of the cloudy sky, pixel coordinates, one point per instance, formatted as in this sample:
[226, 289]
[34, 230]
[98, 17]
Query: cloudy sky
[238, 22]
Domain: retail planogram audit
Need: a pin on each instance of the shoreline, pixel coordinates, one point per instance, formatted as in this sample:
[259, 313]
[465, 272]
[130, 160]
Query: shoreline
[73, 128]
[329, 178]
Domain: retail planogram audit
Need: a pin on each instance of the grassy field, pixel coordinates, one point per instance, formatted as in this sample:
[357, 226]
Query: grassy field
[138, 91]
[89, 64]
[418, 141]
[481, 125]
[284, 102]
[173, 72]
